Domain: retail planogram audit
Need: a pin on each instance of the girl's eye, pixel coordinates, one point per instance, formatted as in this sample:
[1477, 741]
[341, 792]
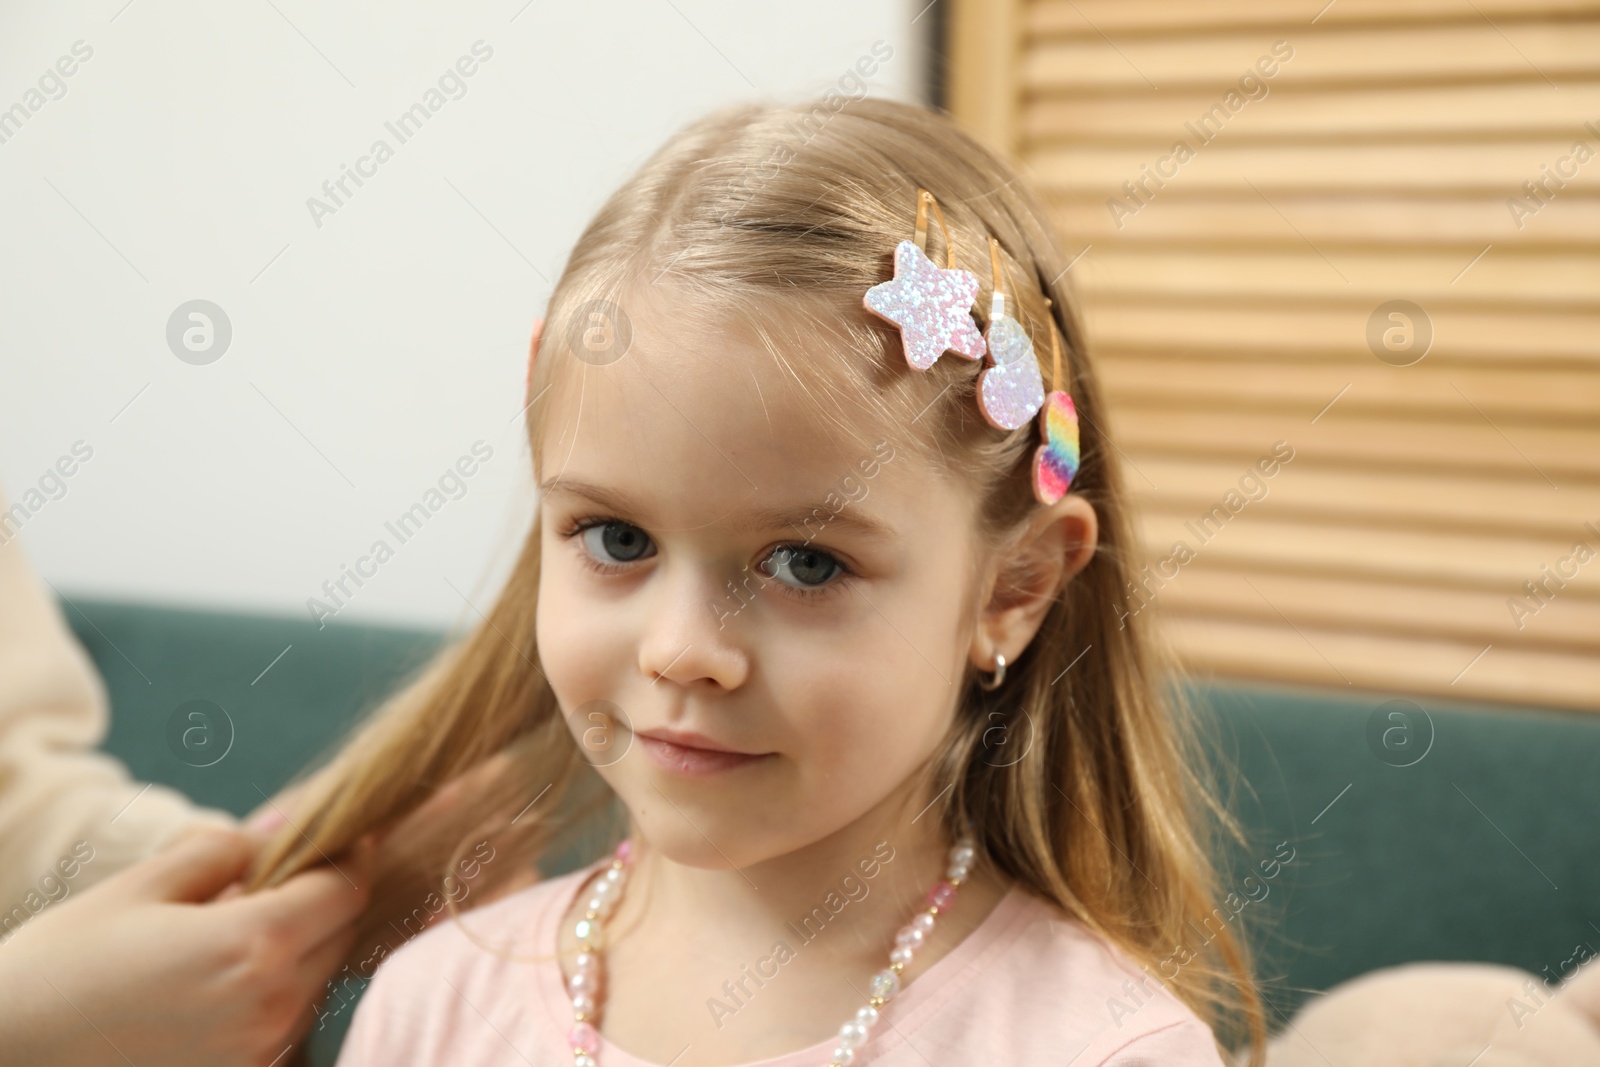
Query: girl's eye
[811, 569]
[614, 542]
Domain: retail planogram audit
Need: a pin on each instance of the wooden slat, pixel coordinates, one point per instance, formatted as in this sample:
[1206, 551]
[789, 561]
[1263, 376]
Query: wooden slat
[984, 42]
[1565, 455]
[1492, 170]
[1285, 336]
[1553, 623]
[1292, 114]
[1568, 279]
[1092, 18]
[1465, 560]
[1380, 662]
[1236, 219]
[1424, 390]
[1467, 501]
[1544, 52]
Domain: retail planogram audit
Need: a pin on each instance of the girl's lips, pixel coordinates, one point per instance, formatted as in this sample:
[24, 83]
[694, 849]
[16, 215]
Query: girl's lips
[695, 762]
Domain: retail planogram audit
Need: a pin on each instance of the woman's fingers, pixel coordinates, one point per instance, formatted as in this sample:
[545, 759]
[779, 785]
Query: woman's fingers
[268, 817]
[196, 867]
[310, 907]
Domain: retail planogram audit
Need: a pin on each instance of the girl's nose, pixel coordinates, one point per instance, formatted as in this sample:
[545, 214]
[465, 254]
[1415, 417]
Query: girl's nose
[687, 637]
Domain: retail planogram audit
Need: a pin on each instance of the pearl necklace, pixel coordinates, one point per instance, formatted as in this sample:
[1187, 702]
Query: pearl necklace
[584, 986]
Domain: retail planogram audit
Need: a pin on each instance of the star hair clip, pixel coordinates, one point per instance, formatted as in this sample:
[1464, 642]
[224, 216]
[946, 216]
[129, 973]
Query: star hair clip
[931, 305]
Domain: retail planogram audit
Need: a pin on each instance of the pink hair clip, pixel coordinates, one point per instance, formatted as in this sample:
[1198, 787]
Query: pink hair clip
[1056, 461]
[1012, 390]
[931, 305]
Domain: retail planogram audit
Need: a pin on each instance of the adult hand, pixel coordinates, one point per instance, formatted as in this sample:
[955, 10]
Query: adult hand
[149, 966]
[168, 962]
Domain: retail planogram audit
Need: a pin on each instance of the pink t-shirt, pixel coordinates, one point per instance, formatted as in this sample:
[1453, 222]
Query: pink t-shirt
[1029, 986]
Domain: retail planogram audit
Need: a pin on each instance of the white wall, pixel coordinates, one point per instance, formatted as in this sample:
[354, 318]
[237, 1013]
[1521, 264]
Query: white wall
[368, 353]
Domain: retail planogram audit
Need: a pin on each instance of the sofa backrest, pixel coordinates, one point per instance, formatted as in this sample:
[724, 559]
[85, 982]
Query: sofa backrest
[1421, 830]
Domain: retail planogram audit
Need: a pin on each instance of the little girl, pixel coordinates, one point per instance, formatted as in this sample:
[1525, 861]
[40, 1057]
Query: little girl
[891, 769]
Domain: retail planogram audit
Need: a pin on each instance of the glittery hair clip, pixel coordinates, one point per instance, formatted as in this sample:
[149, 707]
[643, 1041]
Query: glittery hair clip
[931, 305]
[1056, 461]
[1011, 391]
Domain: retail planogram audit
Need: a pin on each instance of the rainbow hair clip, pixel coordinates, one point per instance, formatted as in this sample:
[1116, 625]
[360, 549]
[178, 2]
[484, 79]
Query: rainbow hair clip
[1056, 461]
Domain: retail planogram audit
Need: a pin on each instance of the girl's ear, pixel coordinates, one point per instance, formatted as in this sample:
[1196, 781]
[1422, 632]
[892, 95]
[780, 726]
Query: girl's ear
[533, 352]
[1057, 544]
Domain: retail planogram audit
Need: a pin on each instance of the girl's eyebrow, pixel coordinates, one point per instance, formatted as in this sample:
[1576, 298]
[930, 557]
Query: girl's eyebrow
[760, 520]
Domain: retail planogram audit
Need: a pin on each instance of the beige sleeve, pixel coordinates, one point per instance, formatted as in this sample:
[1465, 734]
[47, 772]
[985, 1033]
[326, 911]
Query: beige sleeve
[60, 799]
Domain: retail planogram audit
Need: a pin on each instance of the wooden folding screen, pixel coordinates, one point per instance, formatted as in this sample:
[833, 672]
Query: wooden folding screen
[1367, 235]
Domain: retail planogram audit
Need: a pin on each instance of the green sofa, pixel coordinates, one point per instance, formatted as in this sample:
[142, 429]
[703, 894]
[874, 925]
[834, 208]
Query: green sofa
[1417, 831]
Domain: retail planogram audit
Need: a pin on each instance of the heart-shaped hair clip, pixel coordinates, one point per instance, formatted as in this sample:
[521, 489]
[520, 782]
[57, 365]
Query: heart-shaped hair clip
[1056, 461]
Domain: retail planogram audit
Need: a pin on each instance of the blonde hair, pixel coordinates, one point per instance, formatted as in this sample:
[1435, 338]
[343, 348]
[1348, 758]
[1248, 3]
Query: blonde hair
[1108, 813]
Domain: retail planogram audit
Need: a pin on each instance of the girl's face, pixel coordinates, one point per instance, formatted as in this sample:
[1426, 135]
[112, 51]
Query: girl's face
[717, 567]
